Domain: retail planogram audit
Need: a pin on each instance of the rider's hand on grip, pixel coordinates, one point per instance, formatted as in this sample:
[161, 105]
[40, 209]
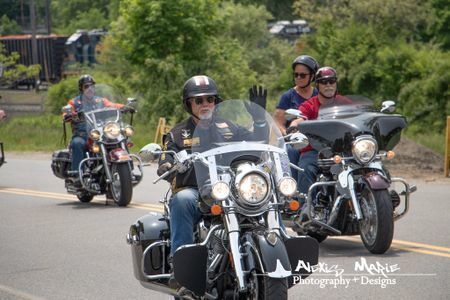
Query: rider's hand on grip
[291, 129]
[163, 168]
[257, 95]
[129, 109]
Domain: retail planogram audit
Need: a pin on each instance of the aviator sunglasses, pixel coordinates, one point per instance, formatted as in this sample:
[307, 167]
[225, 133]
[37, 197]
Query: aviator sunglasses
[301, 75]
[199, 100]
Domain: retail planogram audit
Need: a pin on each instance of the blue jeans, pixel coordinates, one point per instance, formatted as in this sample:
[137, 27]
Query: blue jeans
[184, 214]
[294, 156]
[78, 147]
[308, 162]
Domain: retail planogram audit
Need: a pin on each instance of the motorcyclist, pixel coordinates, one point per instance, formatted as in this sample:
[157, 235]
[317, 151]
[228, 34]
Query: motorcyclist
[326, 83]
[2, 114]
[200, 95]
[304, 68]
[85, 101]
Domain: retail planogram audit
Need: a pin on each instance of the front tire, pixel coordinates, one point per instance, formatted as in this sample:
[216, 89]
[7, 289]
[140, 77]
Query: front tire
[86, 198]
[377, 225]
[121, 188]
[272, 288]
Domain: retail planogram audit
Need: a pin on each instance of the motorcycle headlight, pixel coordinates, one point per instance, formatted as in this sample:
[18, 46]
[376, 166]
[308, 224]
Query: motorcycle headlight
[364, 149]
[129, 131]
[94, 134]
[287, 186]
[220, 191]
[253, 188]
[112, 130]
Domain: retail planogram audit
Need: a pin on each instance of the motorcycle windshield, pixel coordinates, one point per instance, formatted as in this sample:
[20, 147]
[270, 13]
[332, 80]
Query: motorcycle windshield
[345, 107]
[97, 119]
[230, 138]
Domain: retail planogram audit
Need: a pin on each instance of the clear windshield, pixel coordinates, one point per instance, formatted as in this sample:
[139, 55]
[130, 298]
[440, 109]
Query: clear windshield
[346, 106]
[96, 119]
[231, 138]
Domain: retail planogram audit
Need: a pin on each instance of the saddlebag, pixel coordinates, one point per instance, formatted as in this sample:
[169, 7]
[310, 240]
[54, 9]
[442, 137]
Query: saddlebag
[61, 163]
[148, 230]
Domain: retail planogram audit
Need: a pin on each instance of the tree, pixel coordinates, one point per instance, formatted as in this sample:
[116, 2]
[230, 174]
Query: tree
[8, 26]
[11, 72]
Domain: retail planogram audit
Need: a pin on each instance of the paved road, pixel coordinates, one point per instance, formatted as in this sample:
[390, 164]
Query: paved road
[54, 247]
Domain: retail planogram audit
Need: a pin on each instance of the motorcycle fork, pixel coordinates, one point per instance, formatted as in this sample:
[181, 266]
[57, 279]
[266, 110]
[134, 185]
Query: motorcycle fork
[232, 226]
[105, 163]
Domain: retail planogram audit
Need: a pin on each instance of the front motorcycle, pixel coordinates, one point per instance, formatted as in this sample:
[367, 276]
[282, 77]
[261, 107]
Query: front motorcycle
[241, 250]
[354, 192]
[108, 167]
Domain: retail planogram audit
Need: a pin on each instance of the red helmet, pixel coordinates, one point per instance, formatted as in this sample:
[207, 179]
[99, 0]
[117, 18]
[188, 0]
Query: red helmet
[324, 73]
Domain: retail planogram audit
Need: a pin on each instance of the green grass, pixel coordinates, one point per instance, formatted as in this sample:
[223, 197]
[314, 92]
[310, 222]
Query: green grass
[45, 133]
[434, 141]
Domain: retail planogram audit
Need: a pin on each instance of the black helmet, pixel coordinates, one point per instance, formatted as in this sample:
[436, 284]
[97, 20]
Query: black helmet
[326, 72]
[85, 79]
[308, 61]
[200, 85]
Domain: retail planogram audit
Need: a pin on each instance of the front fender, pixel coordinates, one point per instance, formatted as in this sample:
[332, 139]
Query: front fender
[376, 181]
[274, 258]
[119, 155]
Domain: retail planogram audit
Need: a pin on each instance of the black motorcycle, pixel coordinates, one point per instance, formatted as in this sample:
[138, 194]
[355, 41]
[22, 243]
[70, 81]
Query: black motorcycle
[241, 250]
[109, 167]
[2, 154]
[353, 193]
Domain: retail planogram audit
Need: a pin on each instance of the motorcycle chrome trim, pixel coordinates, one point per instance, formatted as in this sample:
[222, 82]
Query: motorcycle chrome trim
[309, 207]
[213, 265]
[153, 245]
[232, 225]
[257, 255]
[140, 167]
[335, 210]
[211, 231]
[408, 190]
[356, 207]
[81, 173]
[240, 147]
[280, 271]
[359, 139]
[105, 163]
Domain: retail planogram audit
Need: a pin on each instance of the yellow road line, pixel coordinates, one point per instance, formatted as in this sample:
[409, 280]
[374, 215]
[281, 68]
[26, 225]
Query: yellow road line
[398, 244]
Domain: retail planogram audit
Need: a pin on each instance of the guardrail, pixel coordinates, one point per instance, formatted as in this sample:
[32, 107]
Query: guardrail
[447, 149]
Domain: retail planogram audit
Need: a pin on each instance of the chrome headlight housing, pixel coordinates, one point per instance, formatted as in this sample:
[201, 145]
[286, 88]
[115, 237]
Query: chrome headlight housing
[112, 130]
[95, 134]
[220, 191]
[129, 131]
[253, 189]
[364, 149]
[287, 186]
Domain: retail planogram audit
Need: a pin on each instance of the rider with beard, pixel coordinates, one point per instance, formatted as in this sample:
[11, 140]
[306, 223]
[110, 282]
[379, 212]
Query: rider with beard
[200, 96]
[85, 101]
[326, 83]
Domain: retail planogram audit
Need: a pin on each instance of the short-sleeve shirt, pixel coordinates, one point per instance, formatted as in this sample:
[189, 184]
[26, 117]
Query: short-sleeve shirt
[291, 99]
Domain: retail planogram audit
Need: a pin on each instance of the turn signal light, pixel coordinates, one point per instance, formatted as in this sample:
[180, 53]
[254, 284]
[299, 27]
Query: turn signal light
[95, 148]
[294, 205]
[390, 155]
[216, 210]
[130, 144]
[337, 159]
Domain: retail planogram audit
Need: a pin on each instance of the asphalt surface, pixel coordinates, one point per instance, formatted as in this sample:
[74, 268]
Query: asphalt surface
[54, 247]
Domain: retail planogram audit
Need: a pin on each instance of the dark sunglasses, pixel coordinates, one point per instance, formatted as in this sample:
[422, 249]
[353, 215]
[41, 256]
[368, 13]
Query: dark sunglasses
[327, 81]
[199, 100]
[86, 86]
[301, 75]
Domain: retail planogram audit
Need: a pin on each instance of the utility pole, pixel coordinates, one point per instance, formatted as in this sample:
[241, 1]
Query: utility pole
[33, 36]
[48, 17]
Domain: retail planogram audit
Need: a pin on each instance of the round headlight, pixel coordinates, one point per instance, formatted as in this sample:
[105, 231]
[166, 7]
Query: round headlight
[364, 149]
[220, 191]
[111, 130]
[287, 186]
[253, 188]
[129, 131]
[95, 134]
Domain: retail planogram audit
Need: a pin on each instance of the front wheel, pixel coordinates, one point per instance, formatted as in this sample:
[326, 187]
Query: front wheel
[121, 187]
[264, 287]
[377, 225]
[85, 198]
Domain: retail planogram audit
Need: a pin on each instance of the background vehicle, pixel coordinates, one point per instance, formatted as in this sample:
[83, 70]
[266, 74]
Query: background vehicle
[240, 251]
[353, 193]
[108, 168]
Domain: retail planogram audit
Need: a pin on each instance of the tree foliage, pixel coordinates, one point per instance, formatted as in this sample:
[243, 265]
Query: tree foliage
[11, 71]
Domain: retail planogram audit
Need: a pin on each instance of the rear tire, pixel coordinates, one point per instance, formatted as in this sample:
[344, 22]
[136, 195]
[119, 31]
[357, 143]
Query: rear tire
[377, 225]
[121, 189]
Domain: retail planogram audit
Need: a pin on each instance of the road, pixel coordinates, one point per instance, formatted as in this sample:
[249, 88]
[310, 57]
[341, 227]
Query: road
[55, 247]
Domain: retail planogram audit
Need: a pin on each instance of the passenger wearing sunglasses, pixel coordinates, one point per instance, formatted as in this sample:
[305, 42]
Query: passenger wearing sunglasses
[200, 96]
[304, 69]
[85, 101]
[326, 83]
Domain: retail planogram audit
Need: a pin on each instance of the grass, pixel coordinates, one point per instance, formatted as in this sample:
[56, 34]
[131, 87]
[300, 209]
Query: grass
[434, 141]
[45, 133]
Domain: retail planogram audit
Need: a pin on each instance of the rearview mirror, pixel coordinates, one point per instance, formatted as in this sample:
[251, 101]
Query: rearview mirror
[291, 114]
[150, 153]
[388, 106]
[298, 140]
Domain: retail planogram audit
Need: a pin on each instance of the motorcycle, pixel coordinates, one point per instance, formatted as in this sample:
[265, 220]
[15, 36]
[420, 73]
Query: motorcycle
[2, 151]
[241, 250]
[108, 167]
[354, 191]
